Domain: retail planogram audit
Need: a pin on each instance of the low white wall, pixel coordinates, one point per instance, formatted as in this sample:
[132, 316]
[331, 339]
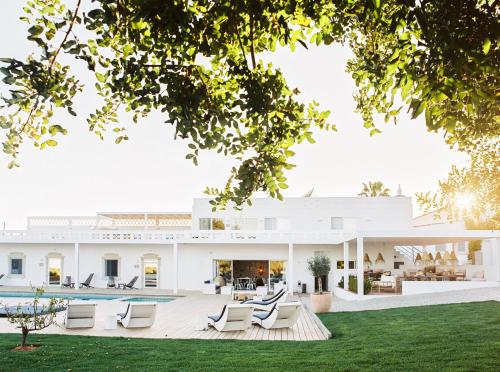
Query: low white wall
[345, 295]
[411, 288]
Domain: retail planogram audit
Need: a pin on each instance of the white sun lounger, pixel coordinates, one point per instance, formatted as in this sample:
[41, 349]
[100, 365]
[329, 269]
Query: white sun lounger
[139, 315]
[235, 317]
[282, 315]
[268, 304]
[80, 315]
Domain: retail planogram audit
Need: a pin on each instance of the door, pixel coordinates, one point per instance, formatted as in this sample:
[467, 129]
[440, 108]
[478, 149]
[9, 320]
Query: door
[54, 270]
[151, 274]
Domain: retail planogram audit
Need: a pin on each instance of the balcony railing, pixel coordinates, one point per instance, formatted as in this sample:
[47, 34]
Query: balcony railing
[181, 236]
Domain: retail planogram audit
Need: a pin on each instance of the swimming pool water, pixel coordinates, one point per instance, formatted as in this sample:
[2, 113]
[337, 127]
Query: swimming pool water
[86, 297]
[149, 299]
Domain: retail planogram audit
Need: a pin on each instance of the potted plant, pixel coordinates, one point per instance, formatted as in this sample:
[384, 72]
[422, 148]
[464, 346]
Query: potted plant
[320, 266]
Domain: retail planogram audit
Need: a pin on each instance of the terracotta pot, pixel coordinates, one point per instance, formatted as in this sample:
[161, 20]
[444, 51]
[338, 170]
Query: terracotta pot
[321, 303]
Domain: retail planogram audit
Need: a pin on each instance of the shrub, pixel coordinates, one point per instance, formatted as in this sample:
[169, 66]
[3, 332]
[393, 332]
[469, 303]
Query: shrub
[353, 284]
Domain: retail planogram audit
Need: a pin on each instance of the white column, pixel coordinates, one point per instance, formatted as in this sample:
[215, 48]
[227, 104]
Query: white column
[77, 265]
[360, 265]
[176, 268]
[346, 265]
[289, 269]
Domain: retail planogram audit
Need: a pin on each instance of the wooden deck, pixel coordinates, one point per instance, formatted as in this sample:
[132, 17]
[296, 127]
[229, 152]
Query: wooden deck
[177, 319]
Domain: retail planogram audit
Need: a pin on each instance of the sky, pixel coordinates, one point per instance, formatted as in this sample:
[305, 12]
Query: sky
[84, 175]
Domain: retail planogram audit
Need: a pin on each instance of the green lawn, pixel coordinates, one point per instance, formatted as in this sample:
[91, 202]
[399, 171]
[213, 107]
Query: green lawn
[444, 337]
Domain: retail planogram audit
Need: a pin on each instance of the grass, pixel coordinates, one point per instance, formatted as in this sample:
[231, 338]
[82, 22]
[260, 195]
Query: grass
[444, 337]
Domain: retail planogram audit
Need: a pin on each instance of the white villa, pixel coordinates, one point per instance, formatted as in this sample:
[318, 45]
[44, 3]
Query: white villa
[270, 242]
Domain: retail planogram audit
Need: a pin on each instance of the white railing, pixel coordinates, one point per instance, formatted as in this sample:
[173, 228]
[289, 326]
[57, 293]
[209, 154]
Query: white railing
[103, 222]
[181, 236]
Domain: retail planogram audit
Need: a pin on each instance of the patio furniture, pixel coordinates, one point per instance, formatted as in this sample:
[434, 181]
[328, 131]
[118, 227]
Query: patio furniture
[226, 290]
[478, 276]
[262, 290]
[386, 282]
[243, 295]
[80, 315]
[267, 304]
[236, 317]
[87, 282]
[210, 288]
[68, 283]
[138, 315]
[111, 282]
[279, 286]
[1, 277]
[129, 285]
[282, 315]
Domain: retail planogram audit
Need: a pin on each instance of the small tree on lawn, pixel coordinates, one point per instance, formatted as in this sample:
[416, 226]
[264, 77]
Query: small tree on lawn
[319, 266]
[34, 316]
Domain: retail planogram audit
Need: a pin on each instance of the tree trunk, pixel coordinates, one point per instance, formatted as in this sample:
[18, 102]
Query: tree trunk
[320, 285]
[25, 336]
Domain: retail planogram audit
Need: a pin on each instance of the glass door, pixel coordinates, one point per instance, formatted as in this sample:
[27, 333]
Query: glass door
[151, 269]
[54, 270]
[277, 272]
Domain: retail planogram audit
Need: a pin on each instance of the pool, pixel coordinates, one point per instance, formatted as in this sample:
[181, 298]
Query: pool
[149, 299]
[86, 297]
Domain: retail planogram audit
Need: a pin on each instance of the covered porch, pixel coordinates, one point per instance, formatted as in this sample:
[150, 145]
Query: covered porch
[413, 269]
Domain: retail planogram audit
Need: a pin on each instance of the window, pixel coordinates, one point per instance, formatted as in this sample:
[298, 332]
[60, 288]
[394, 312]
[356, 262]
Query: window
[111, 268]
[340, 264]
[16, 266]
[270, 223]
[337, 223]
[205, 224]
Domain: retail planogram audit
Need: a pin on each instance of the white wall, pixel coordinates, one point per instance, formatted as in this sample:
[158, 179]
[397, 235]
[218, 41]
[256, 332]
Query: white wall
[412, 288]
[196, 261]
[91, 261]
[383, 213]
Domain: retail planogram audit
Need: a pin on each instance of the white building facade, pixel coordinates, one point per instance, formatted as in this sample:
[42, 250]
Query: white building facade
[271, 240]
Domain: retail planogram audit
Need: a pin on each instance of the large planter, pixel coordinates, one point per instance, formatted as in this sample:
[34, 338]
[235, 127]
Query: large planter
[321, 303]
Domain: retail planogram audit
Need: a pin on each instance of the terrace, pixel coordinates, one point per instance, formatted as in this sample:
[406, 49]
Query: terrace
[176, 319]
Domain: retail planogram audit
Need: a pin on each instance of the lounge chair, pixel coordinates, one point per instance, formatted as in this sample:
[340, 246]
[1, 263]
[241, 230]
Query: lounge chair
[139, 315]
[235, 317]
[283, 315]
[80, 315]
[68, 283]
[87, 282]
[129, 285]
[1, 276]
[267, 304]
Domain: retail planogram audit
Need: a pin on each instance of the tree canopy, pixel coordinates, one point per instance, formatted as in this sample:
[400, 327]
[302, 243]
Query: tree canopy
[373, 189]
[199, 63]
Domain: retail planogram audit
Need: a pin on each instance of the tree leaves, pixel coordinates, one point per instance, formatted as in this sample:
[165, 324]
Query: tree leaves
[191, 61]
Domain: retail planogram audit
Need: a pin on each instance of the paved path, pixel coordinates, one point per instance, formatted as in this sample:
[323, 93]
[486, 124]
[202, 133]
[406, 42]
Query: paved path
[469, 295]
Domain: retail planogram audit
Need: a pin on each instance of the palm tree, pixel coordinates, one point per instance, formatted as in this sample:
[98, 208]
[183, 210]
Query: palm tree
[373, 189]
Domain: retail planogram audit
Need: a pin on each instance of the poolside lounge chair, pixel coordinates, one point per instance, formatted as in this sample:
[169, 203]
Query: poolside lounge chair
[68, 283]
[80, 315]
[282, 315]
[139, 315]
[267, 304]
[129, 285]
[235, 317]
[87, 282]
